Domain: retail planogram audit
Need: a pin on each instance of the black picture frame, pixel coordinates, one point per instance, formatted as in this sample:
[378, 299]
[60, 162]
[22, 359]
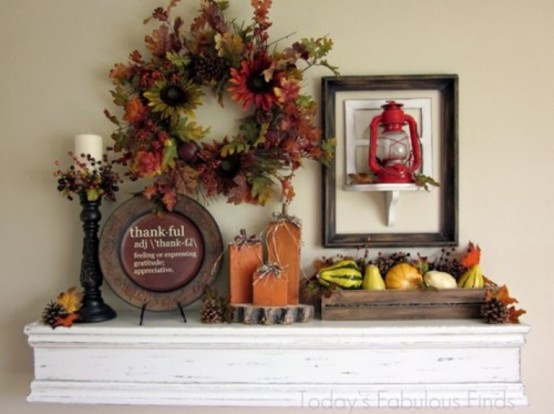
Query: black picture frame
[447, 88]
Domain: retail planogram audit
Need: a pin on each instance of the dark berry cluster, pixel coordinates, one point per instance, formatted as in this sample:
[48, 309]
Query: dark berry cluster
[88, 178]
[448, 262]
[385, 262]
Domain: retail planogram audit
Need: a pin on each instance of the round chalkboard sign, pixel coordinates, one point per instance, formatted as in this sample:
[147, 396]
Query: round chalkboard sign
[160, 261]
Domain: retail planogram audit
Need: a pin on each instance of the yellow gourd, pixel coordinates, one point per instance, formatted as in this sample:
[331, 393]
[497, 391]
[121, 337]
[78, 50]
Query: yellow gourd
[403, 276]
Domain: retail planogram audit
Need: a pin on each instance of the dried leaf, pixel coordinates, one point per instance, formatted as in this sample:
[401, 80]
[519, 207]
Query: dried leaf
[120, 71]
[472, 257]
[229, 45]
[362, 178]
[504, 296]
[186, 179]
[169, 199]
[288, 190]
[212, 14]
[501, 294]
[70, 300]
[240, 192]
[134, 110]
[425, 181]
[150, 192]
[66, 320]
[514, 314]
[113, 119]
[262, 189]
[489, 293]
[136, 57]
[191, 131]
[160, 41]
[159, 14]
[261, 10]
[169, 155]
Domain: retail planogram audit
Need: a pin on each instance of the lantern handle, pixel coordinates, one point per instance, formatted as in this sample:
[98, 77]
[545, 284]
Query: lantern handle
[373, 132]
[416, 145]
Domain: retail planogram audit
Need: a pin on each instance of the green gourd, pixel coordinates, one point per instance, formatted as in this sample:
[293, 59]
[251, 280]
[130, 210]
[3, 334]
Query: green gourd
[345, 274]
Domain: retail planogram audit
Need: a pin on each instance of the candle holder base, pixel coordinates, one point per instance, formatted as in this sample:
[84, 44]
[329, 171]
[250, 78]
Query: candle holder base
[95, 310]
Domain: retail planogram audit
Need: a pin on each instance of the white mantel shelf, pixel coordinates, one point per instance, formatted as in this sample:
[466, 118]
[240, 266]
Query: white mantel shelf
[433, 363]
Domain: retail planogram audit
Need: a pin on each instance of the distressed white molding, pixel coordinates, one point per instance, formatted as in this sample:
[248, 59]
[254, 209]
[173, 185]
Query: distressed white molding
[431, 363]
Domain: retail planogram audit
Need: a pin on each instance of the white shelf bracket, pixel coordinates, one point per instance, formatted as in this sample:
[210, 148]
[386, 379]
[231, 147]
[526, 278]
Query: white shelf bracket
[391, 202]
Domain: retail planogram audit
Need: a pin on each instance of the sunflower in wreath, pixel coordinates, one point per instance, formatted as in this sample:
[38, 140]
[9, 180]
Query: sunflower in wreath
[158, 136]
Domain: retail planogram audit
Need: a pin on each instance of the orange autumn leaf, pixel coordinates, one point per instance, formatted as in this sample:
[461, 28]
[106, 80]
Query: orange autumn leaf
[288, 189]
[169, 199]
[150, 192]
[514, 314]
[490, 293]
[261, 10]
[134, 111]
[488, 282]
[362, 178]
[504, 296]
[120, 70]
[472, 257]
[66, 321]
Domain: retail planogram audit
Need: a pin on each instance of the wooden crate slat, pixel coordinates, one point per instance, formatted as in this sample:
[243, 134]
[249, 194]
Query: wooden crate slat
[392, 304]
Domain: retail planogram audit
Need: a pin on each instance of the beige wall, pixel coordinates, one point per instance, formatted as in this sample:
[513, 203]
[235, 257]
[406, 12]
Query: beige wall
[53, 85]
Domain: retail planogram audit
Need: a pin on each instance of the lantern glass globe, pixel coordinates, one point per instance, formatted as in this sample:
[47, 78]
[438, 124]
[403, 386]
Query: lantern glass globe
[393, 147]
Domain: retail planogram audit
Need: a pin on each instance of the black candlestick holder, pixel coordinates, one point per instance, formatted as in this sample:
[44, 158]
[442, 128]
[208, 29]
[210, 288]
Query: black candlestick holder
[93, 308]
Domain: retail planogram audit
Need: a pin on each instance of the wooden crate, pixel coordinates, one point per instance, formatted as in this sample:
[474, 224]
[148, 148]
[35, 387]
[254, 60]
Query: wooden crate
[353, 305]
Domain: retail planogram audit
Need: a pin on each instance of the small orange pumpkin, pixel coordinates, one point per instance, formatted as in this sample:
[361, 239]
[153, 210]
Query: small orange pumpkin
[403, 276]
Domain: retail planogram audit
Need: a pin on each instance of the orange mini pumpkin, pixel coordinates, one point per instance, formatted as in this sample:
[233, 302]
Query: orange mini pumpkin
[403, 276]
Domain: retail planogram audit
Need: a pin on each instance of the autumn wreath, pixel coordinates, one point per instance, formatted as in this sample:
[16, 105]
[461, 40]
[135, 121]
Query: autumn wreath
[157, 134]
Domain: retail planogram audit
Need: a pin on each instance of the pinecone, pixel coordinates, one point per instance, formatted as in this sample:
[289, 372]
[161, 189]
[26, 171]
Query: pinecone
[214, 308]
[494, 311]
[210, 311]
[207, 68]
[51, 313]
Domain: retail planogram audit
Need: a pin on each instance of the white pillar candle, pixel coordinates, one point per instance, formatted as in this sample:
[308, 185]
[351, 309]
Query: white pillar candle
[89, 144]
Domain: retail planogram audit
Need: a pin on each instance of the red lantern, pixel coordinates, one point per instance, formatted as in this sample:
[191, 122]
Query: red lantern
[393, 156]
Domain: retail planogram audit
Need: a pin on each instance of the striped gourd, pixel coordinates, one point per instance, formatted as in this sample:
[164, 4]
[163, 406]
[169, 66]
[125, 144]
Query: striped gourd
[344, 274]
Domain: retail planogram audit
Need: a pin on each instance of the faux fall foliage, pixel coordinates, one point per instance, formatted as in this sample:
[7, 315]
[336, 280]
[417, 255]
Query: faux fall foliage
[63, 311]
[158, 135]
[498, 306]
[88, 178]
